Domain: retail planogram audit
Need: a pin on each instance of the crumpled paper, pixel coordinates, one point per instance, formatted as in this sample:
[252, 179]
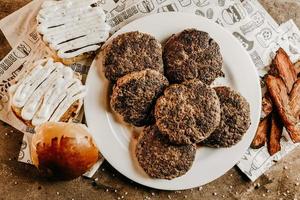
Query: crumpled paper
[247, 20]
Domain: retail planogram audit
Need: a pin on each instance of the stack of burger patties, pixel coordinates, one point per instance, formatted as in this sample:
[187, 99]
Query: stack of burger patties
[167, 91]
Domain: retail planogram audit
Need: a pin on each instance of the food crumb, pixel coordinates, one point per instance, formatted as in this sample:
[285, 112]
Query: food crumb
[263, 194]
[57, 193]
[223, 196]
[185, 196]
[115, 190]
[297, 184]
[231, 174]
[122, 197]
[231, 187]
[284, 194]
[126, 193]
[256, 185]
[16, 183]
[152, 193]
[215, 194]
[285, 167]
[169, 197]
[106, 190]
[96, 179]
[200, 188]
[268, 191]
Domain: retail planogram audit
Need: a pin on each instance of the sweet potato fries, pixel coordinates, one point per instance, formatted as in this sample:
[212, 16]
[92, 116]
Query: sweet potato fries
[281, 104]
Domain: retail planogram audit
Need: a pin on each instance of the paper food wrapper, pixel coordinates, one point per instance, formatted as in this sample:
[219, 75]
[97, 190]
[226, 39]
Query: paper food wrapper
[247, 20]
[19, 29]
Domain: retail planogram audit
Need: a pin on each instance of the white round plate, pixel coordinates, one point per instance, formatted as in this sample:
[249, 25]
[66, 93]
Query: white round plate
[114, 139]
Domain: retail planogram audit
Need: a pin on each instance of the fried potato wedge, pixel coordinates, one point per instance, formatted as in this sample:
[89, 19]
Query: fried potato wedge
[261, 133]
[284, 68]
[279, 94]
[295, 99]
[273, 141]
[267, 105]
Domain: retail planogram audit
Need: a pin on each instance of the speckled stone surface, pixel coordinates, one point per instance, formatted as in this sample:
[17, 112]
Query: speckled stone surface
[21, 181]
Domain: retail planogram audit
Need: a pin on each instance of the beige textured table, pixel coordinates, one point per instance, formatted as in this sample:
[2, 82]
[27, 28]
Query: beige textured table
[21, 181]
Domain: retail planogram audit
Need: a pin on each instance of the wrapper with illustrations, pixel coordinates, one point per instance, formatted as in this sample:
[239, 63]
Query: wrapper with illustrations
[19, 63]
[256, 161]
[248, 21]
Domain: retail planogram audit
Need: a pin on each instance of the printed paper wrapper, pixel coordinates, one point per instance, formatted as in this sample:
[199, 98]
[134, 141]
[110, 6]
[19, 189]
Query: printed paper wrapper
[256, 161]
[20, 30]
[247, 20]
